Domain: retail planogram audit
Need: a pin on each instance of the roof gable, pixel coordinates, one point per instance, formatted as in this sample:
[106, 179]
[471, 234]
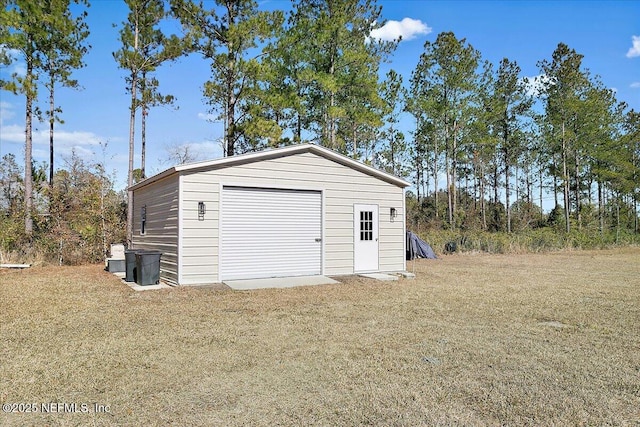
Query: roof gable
[242, 159]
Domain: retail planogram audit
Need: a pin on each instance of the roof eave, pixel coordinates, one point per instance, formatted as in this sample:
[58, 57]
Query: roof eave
[281, 152]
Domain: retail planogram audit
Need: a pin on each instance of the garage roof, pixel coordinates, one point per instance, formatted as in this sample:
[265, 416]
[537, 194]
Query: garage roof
[272, 154]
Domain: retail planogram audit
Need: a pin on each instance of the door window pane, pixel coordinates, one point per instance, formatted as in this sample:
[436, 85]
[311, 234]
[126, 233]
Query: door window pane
[366, 225]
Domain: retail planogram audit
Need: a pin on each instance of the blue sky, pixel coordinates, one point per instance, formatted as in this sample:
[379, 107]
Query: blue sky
[607, 34]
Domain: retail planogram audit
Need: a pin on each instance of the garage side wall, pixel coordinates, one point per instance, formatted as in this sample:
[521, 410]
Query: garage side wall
[161, 226]
[200, 237]
[342, 187]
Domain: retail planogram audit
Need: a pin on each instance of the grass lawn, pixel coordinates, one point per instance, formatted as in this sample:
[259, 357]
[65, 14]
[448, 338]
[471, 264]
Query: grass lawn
[544, 339]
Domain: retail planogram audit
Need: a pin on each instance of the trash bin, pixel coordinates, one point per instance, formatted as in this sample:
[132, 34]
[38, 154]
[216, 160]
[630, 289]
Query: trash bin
[148, 267]
[130, 264]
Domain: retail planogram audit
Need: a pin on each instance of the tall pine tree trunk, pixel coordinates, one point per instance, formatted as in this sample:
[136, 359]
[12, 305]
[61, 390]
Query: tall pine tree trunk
[435, 176]
[507, 191]
[600, 207]
[541, 178]
[577, 193]
[297, 138]
[483, 208]
[132, 122]
[51, 124]
[230, 106]
[565, 178]
[454, 177]
[354, 136]
[447, 162]
[28, 149]
[449, 199]
[496, 183]
[507, 171]
[555, 182]
[230, 116]
[143, 128]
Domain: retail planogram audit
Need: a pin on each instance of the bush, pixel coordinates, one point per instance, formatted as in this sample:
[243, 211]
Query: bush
[528, 241]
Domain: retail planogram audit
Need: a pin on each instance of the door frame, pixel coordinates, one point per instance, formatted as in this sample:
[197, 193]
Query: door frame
[363, 254]
[244, 186]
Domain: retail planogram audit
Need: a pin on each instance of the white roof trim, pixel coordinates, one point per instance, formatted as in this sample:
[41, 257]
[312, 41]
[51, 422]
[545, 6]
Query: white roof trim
[274, 153]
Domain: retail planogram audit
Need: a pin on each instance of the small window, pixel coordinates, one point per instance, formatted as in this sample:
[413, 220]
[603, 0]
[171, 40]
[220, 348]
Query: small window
[366, 225]
[143, 220]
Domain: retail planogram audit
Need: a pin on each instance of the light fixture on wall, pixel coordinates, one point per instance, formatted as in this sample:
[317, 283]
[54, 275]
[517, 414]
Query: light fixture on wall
[393, 213]
[202, 209]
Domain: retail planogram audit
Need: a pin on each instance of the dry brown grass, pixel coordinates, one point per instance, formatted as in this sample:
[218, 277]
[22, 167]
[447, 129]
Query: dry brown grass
[548, 339]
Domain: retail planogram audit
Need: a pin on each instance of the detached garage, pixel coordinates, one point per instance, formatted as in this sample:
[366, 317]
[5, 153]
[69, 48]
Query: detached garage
[296, 211]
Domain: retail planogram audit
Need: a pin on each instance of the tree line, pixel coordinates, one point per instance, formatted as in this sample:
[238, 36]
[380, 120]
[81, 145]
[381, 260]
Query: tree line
[488, 144]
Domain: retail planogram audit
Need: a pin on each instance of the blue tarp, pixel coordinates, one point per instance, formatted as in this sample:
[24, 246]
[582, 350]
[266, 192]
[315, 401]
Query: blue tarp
[418, 248]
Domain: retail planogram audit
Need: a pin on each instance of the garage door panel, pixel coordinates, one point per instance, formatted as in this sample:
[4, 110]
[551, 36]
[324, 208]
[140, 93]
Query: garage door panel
[270, 233]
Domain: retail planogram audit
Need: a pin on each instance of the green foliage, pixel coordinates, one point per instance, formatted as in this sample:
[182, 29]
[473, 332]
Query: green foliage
[144, 48]
[442, 88]
[83, 215]
[51, 42]
[392, 156]
[273, 84]
[227, 33]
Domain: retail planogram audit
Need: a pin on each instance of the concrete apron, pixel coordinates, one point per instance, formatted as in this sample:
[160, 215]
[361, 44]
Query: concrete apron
[278, 282]
[138, 288]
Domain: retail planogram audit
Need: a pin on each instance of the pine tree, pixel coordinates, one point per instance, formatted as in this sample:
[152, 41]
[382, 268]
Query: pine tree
[393, 153]
[144, 48]
[565, 83]
[63, 52]
[510, 105]
[22, 32]
[227, 34]
[443, 84]
[337, 69]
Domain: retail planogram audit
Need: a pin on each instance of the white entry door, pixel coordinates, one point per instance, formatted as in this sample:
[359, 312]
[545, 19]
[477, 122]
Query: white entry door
[365, 238]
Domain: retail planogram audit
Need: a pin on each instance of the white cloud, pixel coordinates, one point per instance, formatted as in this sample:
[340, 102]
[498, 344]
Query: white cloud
[13, 133]
[634, 50]
[535, 85]
[208, 150]
[84, 143]
[19, 69]
[635, 85]
[6, 112]
[12, 53]
[207, 117]
[407, 29]
[17, 65]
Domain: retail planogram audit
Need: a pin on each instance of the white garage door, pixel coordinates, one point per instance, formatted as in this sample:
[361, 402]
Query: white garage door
[270, 233]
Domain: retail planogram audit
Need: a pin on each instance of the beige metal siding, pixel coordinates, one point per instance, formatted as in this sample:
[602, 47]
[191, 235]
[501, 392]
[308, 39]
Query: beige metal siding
[342, 187]
[200, 238]
[161, 200]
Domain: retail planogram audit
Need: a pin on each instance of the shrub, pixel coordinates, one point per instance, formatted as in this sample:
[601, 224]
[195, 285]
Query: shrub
[528, 241]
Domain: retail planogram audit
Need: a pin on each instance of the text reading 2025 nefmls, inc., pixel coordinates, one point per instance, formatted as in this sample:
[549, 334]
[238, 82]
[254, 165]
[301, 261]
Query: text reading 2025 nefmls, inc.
[55, 407]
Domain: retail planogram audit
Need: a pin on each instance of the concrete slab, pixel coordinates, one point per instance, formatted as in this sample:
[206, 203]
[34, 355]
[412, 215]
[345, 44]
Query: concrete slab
[380, 276]
[278, 282]
[138, 288]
